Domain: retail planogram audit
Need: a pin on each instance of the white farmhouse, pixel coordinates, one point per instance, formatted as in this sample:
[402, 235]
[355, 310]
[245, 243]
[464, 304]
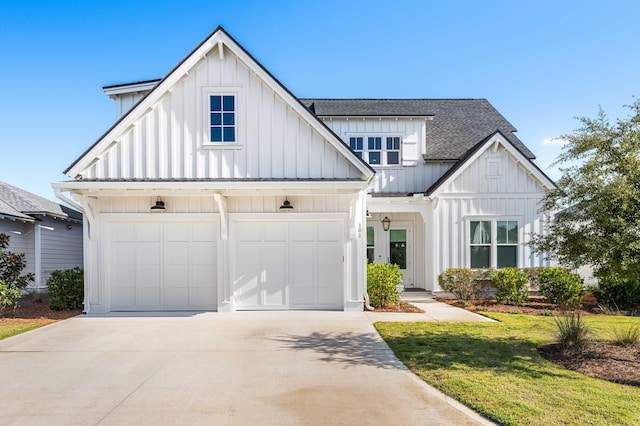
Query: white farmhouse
[218, 189]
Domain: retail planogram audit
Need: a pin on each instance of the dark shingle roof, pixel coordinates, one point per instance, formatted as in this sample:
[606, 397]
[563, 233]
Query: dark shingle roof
[21, 204]
[456, 127]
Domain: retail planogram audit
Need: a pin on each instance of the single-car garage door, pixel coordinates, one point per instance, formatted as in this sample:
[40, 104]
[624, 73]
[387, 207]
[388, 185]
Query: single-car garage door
[288, 264]
[162, 265]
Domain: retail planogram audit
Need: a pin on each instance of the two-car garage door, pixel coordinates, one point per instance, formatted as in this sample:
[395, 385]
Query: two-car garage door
[288, 264]
[155, 265]
[162, 265]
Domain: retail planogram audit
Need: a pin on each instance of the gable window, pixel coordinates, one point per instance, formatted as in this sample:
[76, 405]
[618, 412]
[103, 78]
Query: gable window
[377, 150]
[493, 243]
[222, 118]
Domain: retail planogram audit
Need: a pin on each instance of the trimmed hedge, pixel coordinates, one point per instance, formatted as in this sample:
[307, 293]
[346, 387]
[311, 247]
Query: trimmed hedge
[562, 288]
[66, 289]
[512, 286]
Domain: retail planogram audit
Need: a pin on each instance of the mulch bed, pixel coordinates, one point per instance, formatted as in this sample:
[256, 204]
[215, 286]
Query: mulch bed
[405, 307]
[35, 310]
[602, 360]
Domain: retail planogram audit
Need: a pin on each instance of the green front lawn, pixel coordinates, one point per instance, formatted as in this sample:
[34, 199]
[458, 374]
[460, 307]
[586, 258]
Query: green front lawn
[8, 330]
[495, 369]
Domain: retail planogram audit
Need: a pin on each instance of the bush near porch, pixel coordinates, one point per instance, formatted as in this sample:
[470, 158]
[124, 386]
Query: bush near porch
[382, 279]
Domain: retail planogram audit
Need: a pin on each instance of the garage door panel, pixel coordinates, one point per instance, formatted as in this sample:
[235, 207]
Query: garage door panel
[288, 274]
[163, 265]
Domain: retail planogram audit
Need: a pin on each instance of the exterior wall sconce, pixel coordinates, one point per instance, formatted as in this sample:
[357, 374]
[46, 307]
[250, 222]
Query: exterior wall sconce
[158, 207]
[386, 223]
[286, 205]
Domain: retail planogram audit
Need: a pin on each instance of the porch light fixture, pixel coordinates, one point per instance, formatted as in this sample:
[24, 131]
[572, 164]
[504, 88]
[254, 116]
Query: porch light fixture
[386, 223]
[158, 207]
[286, 205]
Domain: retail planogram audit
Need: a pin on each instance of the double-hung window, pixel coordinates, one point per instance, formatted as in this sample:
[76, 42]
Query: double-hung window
[393, 150]
[374, 148]
[222, 118]
[493, 243]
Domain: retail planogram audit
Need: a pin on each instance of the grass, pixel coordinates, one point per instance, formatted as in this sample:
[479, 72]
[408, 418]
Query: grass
[8, 330]
[495, 369]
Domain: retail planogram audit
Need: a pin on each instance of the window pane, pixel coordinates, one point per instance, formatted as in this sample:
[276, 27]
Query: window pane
[229, 118]
[378, 143]
[398, 247]
[229, 103]
[480, 257]
[229, 134]
[216, 119]
[501, 232]
[480, 232]
[215, 103]
[512, 233]
[393, 158]
[355, 144]
[370, 235]
[374, 143]
[393, 143]
[216, 134]
[507, 256]
[374, 158]
[370, 255]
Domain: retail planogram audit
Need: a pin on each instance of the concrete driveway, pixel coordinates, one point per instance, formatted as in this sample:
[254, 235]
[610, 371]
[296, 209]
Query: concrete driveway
[284, 368]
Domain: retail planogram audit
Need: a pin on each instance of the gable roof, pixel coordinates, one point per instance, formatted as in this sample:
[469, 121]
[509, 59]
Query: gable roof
[23, 205]
[457, 125]
[218, 37]
[474, 153]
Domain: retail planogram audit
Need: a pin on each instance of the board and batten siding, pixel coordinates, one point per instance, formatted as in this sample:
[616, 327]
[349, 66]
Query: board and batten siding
[235, 204]
[492, 187]
[169, 140]
[413, 175]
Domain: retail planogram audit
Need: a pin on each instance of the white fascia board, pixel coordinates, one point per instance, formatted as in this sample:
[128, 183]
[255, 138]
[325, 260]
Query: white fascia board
[146, 103]
[187, 188]
[507, 146]
[297, 106]
[130, 88]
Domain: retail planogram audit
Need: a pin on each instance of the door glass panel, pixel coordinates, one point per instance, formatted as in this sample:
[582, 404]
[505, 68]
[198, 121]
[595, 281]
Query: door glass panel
[370, 244]
[398, 247]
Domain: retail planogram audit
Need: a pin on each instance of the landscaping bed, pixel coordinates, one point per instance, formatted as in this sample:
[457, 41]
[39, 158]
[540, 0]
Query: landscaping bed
[34, 309]
[603, 360]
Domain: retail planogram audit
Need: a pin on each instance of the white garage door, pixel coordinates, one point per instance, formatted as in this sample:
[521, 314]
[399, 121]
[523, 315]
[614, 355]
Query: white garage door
[162, 266]
[288, 265]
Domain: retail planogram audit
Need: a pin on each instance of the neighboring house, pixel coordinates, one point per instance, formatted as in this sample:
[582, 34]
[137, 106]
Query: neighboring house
[49, 234]
[268, 201]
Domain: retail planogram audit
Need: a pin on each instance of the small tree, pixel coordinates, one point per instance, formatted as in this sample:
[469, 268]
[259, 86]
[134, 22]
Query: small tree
[598, 197]
[12, 281]
[511, 286]
[381, 284]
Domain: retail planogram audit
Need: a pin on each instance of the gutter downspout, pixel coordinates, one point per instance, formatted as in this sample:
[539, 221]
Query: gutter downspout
[85, 221]
[366, 302]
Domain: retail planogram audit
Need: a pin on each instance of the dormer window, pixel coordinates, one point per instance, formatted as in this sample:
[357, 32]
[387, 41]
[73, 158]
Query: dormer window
[222, 118]
[377, 150]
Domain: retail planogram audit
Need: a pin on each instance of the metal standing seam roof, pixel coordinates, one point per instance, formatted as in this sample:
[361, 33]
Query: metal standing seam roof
[457, 125]
[21, 204]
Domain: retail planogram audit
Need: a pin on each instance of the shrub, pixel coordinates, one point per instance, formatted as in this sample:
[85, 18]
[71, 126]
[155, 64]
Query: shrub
[66, 289]
[12, 282]
[458, 281]
[511, 286]
[381, 283]
[573, 333]
[617, 293]
[561, 287]
[534, 276]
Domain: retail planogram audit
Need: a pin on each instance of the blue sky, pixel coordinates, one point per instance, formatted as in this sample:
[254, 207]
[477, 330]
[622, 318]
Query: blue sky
[539, 63]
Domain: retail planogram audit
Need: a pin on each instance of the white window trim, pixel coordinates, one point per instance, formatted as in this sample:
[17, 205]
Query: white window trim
[241, 120]
[494, 240]
[383, 151]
